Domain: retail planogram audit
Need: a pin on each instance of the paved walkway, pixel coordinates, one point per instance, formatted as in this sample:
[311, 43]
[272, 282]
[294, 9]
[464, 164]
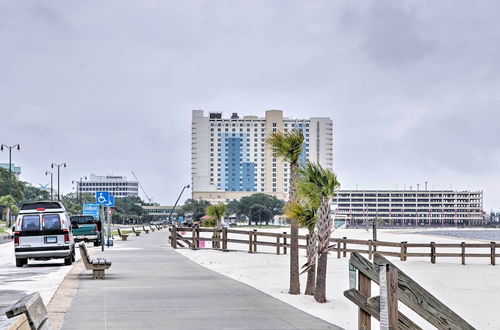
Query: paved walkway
[150, 286]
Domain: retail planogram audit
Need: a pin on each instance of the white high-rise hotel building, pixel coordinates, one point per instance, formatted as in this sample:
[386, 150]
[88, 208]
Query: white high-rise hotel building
[230, 157]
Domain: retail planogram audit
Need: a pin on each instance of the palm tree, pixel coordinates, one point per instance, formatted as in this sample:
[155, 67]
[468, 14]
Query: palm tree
[324, 183]
[288, 146]
[306, 216]
[216, 211]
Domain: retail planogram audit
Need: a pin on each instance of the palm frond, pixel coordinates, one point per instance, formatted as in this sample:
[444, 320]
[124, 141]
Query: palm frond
[287, 145]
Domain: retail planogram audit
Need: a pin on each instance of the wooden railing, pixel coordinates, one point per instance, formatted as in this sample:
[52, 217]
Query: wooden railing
[401, 250]
[394, 286]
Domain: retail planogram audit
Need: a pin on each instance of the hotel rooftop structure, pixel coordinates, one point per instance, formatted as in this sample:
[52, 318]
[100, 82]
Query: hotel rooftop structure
[231, 159]
[410, 207]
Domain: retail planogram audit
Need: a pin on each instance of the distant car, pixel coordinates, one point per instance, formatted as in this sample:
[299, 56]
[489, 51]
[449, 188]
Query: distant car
[42, 232]
[233, 224]
[85, 229]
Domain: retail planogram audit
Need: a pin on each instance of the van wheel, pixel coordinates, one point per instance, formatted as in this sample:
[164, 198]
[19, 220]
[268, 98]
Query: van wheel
[68, 261]
[21, 262]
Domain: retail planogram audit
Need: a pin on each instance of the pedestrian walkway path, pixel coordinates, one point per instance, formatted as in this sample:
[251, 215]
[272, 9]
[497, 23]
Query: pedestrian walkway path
[150, 286]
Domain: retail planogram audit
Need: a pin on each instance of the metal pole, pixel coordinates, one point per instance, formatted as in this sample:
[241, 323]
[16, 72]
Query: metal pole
[109, 224]
[10, 172]
[101, 208]
[51, 186]
[58, 182]
[177, 201]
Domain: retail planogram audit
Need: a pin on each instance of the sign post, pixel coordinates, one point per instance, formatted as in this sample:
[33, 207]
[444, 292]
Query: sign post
[102, 198]
[109, 204]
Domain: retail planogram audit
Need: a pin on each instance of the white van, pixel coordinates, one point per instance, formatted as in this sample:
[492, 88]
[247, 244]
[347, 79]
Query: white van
[43, 232]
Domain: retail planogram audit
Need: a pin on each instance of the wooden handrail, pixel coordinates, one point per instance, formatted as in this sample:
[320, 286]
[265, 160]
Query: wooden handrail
[412, 294]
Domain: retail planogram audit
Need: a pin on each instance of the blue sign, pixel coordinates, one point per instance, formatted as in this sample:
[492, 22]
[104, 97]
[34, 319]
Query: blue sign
[91, 209]
[102, 197]
[180, 219]
[111, 201]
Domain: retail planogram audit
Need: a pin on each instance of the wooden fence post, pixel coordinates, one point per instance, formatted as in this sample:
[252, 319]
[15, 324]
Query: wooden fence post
[493, 248]
[433, 252]
[463, 252]
[255, 240]
[365, 287]
[173, 236]
[278, 244]
[250, 242]
[388, 297]
[338, 248]
[193, 237]
[370, 249]
[284, 242]
[405, 250]
[224, 239]
[402, 252]
[345, 247]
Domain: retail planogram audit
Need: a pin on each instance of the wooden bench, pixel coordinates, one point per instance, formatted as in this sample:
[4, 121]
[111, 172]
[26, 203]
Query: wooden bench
[28, 313]
[152, 228]
[145, 230]
[158, 227]
[124, 237]
[96, 265]
[136, 232]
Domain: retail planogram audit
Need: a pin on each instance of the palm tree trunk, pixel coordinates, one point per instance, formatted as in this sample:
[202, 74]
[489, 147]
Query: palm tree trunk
[320, 292]
[294, 236]
[324, 227]
[311, 255]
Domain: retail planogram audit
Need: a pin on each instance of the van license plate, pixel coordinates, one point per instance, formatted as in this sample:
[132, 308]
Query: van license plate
[51, 240]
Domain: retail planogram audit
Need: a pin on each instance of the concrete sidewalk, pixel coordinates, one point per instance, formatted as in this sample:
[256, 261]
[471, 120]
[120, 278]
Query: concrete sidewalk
[150, 286]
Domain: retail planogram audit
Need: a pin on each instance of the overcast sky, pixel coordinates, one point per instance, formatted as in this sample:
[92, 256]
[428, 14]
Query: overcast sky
[108, 86]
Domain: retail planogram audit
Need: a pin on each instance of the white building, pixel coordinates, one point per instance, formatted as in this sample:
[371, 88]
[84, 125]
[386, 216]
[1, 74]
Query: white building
[410, 207]
[231, 159]
[118, 186]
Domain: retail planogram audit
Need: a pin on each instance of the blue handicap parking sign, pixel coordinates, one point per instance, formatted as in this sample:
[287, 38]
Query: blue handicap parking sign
[111, 201]
[102, 197]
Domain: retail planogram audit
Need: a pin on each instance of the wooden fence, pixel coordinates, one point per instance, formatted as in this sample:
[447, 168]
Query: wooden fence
[341, 246]
[394, 286]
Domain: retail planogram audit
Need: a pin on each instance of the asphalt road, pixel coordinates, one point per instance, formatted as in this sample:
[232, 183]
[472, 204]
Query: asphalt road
[150, 286]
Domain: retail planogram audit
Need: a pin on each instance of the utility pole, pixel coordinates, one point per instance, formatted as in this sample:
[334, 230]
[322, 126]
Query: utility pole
[79, 190]
[51, 184]
[58, 178]
[18, 147]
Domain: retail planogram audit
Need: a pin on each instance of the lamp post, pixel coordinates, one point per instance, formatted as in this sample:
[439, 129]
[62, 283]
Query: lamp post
[177, 201]
[79, 188]
[58, 177]
[51, 184]
[18, 147]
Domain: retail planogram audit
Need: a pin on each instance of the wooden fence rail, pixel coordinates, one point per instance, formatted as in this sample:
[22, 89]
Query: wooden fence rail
[395, 286]
[220, 238]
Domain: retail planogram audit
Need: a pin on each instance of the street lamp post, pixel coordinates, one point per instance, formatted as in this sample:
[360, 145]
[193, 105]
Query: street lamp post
[177, 201]
[78, 189]
[18, 147]
[58, 177]
[51, 184]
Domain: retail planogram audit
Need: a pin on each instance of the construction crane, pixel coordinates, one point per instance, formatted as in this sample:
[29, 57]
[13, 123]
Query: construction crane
[150, 199]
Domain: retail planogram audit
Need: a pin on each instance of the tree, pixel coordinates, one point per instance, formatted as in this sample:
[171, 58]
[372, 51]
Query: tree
[259, 214]
[306, 215]
[34, 194]
[73, 203]
[322, 184]
[217, 211]
[8, 202]
[194, 207]
[273, 204]
[128, 207]
[17, 188]
[233, 207]
[288, 146]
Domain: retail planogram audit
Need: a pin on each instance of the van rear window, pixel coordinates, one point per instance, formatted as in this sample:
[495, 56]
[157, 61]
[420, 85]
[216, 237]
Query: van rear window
[31, 223]
[51, 222]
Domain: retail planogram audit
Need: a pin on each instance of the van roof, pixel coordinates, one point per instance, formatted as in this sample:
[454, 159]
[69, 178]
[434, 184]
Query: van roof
[41, 206]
